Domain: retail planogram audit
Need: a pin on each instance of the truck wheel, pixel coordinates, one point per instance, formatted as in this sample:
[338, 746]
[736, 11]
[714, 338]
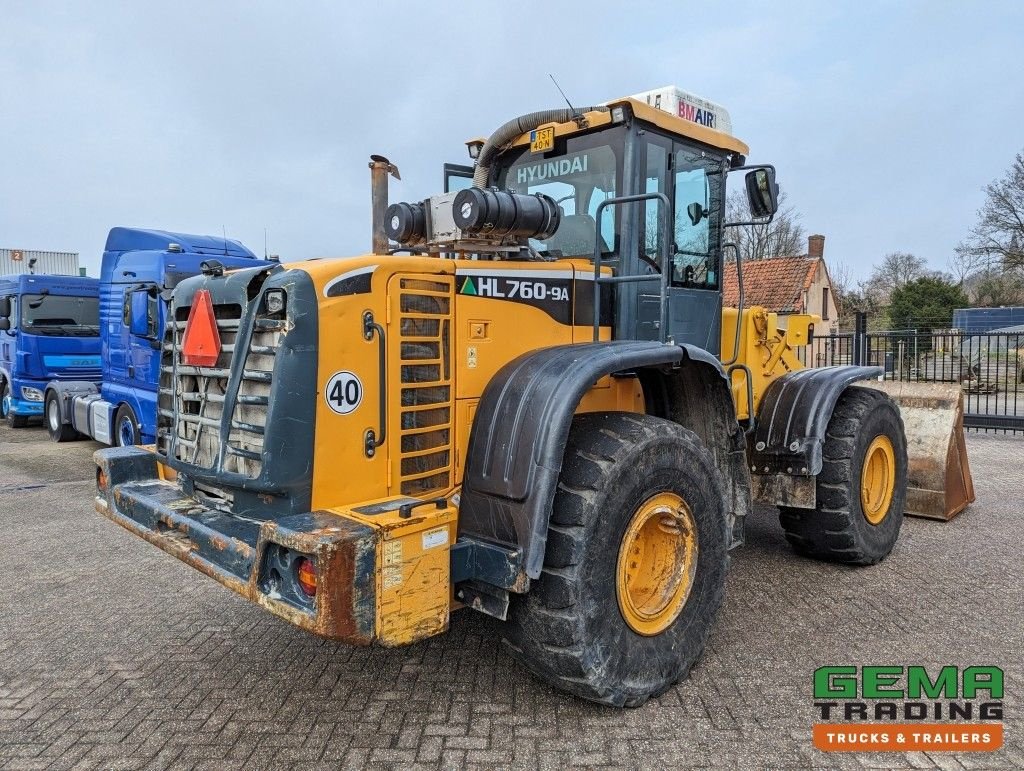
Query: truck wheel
[635, 563]
[14, 421]
[862, 487]
[59, 430]
[126, 427]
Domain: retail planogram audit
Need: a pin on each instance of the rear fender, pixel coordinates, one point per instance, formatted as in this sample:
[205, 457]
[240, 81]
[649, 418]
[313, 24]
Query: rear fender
[523, 421]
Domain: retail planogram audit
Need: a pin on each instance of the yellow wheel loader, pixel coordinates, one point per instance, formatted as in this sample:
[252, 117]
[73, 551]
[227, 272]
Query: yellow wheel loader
[528, 401]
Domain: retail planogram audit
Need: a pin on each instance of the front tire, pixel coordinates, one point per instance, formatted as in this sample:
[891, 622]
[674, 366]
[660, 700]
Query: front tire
[634, 568]
[58, 430]
[126, 427]
[7, 400]
[862, 487]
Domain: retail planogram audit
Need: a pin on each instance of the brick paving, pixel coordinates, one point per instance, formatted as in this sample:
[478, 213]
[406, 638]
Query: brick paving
[115, 655]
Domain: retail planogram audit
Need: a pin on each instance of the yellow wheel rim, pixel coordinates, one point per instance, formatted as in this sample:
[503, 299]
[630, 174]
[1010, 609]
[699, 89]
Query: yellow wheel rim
[657, 563]
[878, 479]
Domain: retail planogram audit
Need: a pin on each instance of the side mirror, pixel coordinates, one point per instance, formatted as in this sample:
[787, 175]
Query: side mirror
[139, 317]
[5, 324]
[762, 192]
[696, 213]
[5, 307]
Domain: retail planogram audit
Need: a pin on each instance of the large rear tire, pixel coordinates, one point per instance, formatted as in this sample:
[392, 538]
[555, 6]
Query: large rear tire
[58, 430]
[634, 569]
[862, 487]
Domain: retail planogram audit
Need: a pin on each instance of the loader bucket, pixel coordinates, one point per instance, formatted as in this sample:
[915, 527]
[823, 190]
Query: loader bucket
[939, 484]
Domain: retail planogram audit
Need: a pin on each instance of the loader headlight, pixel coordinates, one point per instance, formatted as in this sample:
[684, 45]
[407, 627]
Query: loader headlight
[274, 301]
[31, 394]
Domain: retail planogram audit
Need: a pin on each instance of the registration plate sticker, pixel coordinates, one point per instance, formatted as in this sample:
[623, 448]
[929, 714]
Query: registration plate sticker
[542, 140]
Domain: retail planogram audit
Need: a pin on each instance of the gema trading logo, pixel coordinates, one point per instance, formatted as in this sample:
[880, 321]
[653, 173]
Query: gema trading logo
[907, 709]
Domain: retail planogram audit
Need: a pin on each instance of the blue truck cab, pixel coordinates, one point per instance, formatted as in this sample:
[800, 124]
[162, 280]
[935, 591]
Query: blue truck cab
[49, 331]
[139, 269]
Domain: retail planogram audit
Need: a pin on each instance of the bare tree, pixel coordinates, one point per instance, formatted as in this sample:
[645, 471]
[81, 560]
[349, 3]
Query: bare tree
[998, 235]
[782, 237]
[895, 270]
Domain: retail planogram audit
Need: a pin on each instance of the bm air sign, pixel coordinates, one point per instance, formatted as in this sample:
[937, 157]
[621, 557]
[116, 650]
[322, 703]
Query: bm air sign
[701, 115]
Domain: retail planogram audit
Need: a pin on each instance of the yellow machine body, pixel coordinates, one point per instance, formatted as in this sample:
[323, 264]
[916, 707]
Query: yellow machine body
[418, 343]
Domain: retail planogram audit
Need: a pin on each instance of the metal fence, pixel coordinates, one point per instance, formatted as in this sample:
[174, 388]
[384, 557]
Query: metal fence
[989, 367]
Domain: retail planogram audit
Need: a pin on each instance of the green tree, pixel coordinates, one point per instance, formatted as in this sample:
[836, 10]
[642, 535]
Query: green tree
[925, 304]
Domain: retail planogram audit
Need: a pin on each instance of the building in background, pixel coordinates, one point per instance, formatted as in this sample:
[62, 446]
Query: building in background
[14, 262]
[787, 285]
[976, 321]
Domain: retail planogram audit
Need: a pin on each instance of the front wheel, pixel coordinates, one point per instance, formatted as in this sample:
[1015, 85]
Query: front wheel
[634, 568]
[126, 427]
[7, 400]
[862, 487]
[58, 430]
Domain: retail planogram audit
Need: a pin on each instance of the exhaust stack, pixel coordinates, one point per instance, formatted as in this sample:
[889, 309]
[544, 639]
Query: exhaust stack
[380, 167]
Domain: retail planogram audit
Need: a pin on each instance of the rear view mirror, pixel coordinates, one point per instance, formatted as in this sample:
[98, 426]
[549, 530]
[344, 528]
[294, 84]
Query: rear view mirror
[762, 192]
[5, 307]
[139, 324]
[696, 213]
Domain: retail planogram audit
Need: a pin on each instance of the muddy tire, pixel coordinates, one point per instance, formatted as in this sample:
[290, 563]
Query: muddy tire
[58, 430]
[640, 505]
[860, 510]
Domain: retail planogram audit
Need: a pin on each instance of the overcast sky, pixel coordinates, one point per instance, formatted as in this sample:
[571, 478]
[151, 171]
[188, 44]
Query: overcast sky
[884, 122]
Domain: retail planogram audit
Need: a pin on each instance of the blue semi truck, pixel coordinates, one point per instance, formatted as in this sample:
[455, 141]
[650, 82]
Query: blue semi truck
[49, 332]
[139, 269]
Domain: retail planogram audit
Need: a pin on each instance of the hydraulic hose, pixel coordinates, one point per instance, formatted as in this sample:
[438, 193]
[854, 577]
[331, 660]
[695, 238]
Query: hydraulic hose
[515, 128]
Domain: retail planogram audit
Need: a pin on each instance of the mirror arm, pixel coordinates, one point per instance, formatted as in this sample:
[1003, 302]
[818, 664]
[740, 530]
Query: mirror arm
[764, 221]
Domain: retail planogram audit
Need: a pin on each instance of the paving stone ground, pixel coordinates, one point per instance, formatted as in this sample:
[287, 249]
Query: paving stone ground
[115, 655]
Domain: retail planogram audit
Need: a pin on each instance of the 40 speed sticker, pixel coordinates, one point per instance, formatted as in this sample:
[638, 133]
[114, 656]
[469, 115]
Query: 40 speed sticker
[344, 392]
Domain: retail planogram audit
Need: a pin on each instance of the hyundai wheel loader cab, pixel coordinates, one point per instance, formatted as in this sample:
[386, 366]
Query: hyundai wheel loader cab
[541, 412]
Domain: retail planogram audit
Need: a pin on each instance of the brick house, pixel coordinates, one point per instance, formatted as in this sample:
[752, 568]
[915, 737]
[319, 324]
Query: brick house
[787, 285]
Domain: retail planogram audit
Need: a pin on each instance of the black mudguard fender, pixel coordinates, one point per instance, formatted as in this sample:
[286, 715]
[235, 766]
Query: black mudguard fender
[793, 416]
[522, 426]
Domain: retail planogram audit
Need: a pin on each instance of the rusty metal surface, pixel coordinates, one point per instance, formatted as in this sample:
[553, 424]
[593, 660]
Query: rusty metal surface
[231, 549]
[784, 490]
[939, 482]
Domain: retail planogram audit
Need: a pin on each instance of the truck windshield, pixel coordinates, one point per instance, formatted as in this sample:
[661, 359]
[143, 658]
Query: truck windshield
[53, 314]
[579, 174]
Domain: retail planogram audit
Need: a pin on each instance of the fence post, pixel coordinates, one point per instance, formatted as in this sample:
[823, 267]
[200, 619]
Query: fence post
[860, 328]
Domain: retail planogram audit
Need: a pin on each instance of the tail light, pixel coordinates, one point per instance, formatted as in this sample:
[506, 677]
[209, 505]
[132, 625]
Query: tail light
[305, 572]
[101, 480]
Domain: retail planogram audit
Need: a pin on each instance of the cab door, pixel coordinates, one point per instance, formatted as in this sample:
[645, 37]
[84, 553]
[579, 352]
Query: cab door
[693, 179]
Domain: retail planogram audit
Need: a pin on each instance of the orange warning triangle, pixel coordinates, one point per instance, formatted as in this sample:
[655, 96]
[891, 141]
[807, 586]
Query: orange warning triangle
[200, 346]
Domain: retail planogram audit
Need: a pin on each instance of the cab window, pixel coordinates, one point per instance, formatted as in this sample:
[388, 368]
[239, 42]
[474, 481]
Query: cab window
[693, 184]
[579, 174]
[693, 263]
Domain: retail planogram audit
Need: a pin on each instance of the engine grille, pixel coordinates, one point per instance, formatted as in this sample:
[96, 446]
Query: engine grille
[191, 399]
[423, 313]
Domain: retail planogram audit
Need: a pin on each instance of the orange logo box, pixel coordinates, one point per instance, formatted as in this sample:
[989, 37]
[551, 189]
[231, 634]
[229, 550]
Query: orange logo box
[908, 737]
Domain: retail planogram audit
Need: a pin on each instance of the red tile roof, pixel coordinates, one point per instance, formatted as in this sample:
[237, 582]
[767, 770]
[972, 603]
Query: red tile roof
[777, 284]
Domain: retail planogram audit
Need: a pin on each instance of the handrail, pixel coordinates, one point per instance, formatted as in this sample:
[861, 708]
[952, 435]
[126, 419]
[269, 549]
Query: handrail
[739, 303]
[372, 441]
[666, 250]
